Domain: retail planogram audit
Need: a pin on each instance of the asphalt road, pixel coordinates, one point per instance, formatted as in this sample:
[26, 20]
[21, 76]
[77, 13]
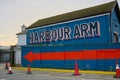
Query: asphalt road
[46, 75]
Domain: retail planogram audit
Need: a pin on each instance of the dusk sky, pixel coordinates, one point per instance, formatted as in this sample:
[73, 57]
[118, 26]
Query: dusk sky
[15, 13]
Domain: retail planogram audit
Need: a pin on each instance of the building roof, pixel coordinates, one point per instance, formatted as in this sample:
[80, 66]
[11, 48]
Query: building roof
[21, 33]
[100, 9]
[4, 47]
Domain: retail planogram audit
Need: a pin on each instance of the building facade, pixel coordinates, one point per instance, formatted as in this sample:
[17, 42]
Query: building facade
[4, 54]
[90, 36]
[21, 42]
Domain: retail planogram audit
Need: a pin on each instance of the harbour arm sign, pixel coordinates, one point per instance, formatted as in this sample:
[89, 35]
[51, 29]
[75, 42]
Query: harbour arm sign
[74, 30]
[85, 30]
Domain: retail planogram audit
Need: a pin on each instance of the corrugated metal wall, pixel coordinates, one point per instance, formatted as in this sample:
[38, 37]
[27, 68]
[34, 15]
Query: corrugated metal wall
[99, 57]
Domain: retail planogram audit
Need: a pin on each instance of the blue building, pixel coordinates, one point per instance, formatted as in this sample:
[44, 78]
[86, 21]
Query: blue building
[89, 36]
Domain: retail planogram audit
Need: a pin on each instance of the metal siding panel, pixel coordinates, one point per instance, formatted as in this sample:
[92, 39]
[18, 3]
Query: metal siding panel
[37, 62]
[52, 63]
[107, 65]
[26, 50]
[68, 55]
[103, 38]
[24, 61]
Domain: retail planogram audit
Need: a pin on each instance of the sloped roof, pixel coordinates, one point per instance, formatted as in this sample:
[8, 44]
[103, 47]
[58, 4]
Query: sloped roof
[100, 9]
[21, 33]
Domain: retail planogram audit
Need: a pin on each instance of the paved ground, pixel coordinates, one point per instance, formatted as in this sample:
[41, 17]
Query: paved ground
[45, 75]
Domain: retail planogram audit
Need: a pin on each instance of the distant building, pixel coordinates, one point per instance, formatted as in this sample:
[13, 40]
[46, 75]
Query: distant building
[21, 41]
[4, 54]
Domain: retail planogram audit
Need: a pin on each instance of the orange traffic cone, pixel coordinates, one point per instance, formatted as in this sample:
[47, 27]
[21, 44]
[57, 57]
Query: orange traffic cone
[10, 70]
[76, 73]
[117, 70]
[29, 71]
[6, 65]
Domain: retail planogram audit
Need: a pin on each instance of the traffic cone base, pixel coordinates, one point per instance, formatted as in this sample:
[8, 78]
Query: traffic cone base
[76, 74]
[6, 68]
[116, 76]
[28, 72]
[10, 72]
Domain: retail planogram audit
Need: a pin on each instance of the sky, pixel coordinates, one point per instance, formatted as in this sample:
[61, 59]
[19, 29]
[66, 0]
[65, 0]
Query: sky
[15, 13]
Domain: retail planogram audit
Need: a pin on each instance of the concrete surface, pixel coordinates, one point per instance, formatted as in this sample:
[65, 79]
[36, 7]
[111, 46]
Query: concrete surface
[20, 74]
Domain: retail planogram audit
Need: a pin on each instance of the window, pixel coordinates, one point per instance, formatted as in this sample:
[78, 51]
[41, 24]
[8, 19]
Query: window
[115, 38]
